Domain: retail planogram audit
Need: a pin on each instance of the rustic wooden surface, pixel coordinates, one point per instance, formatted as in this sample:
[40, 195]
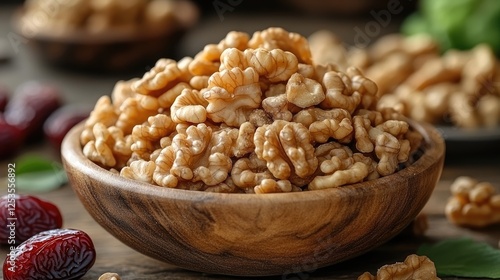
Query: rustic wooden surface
[113, 256]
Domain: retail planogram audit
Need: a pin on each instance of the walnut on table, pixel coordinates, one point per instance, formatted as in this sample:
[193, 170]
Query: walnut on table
[110, 276]
[473, 203]
[413, 267]
[251, 115]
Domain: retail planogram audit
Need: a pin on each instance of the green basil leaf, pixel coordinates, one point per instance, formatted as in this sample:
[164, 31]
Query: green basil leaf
[32, 163]
[463, 257]
[37, 174]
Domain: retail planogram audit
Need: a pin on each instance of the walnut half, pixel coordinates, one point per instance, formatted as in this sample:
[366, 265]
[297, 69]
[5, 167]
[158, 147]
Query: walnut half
[414, 267]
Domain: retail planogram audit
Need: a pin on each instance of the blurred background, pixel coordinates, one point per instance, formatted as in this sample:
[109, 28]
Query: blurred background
[434, 60]
[83, 48]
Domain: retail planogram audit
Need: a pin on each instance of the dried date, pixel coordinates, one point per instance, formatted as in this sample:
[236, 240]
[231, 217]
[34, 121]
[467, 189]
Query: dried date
[59, 254]
[22, 216]
[11, 139]
[62, 120]
[29, 107]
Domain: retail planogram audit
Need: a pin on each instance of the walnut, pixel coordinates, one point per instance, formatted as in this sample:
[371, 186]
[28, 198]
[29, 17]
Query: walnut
[198, 153]
[161, 78]
[259, 117]
[122, 147]
[132, 113]
[370, 163]
[109, 276]
[207, 62]
[304, 92]
[249, 172]
[339, 92]
[166, 99]
[154, 129]
[273, 186]
[104, 112]
[413, 267]
[473, 203]
[232, 95]
[243, 140]
[339, 167]
[100, 150]
[286, 148]
[366, 87]
[122, 91]
[278, 107]
[417, 227]
[274, 65]
[390, 72]
[275, 89]
[278, 38]
[139, 170]
[326, 124]
[384, 139]
[189, 106]
[432, 72]
[326, 47]
[479, 69]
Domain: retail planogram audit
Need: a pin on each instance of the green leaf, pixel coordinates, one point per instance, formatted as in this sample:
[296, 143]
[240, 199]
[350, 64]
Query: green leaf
[37, 174]
[463, 257]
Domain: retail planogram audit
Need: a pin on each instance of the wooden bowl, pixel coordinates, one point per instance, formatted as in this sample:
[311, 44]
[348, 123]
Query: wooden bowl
[251, 234]
[112, 50]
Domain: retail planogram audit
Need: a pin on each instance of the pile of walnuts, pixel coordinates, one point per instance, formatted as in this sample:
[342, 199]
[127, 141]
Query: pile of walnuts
[251, 114]
[473, 203]
[459, 87]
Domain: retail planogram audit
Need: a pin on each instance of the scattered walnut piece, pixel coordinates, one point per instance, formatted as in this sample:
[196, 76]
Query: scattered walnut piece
[110, 276]
[473, 203]
[413, 267]
[417, 227]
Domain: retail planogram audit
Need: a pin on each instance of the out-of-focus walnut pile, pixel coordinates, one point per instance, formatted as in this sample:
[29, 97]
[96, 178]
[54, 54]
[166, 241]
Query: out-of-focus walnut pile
[97, 16]
[414, 267]
[460, 88]
[250, 114]
[473, 203]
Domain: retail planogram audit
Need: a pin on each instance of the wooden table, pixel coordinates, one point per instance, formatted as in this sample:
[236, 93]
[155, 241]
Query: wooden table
[113, 256]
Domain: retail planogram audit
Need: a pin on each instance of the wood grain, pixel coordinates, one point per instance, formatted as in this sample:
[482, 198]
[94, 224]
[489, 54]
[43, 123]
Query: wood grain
[254, 235]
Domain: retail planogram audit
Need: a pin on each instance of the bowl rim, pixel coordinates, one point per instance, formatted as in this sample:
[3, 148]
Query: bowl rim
[72, 154]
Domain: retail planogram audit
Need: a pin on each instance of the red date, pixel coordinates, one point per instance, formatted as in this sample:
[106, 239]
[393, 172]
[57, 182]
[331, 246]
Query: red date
[29, 107]
[59, 254]
[4, 97]
[61, 121]
[11, 139]
[22, 216]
